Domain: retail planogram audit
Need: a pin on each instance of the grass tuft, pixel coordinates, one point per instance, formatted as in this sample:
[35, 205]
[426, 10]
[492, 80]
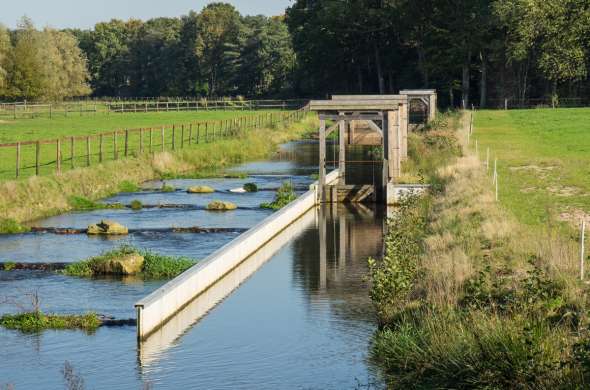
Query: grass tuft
[136, 205]
[285, 195]
[10, 226]
[36, 321]
[128, 186]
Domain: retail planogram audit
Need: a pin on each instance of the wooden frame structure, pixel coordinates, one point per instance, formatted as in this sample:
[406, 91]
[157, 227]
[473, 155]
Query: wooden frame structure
[426, 96]
[385, 114]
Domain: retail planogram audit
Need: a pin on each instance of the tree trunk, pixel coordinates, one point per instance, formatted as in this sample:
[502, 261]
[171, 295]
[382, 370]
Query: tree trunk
[422, 67]
[465, 86]
[483, 88]
[360, 78]
[451, 96]
[380, 78]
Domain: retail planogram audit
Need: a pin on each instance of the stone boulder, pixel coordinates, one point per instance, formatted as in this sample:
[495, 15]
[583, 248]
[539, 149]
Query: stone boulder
[200, 190]
[108, 228]
[221, 206]
[128, 264]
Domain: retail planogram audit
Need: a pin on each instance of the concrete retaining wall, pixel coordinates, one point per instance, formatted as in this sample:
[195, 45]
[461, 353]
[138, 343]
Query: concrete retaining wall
[161, 305]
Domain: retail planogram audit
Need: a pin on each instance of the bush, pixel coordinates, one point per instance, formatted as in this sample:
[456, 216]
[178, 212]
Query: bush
[251, 187]
[285, 195]
[136, 205]
[127, 186]
[10, 226]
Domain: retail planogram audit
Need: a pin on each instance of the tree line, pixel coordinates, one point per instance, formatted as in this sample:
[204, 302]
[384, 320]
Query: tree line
[471, 51]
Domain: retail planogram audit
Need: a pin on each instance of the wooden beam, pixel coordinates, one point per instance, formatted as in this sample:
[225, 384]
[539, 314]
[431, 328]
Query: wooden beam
[351, 117]
[342, 153]
[354, 105]
[374, 126]
[331, 129]
[368, 97]
[394, 143]
[404, 122]
[386, 150]
[322, 162]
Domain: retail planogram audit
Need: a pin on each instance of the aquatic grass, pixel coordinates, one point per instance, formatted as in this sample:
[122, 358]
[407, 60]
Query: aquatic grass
[167, 188]
[136, 205]
[285, 195]
[10, 226]
[158, 266]
[9, 265]
[32, 322]
[81, 203]
[155, 266]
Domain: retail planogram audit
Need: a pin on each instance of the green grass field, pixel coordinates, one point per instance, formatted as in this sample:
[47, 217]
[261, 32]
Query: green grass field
[22, 130]
[543, 161]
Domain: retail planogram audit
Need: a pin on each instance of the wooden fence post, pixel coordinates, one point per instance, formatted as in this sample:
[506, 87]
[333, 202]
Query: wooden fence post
[87, 151]
[115, 146]
[151, 142]
[173, 137]
[100, 148]
[206, 132]
[141, 140]
[17, 159]
[37, 156]
[182, 137]
[163, 138]
[190, 133]
[72, 152]
[198, 132]
[126, 142]
[58, 155]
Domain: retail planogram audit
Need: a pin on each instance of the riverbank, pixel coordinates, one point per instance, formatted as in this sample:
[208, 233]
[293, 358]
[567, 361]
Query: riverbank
[479, 300]
[38, 197]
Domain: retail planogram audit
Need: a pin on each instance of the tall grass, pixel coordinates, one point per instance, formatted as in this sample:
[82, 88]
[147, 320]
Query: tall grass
[494, 304]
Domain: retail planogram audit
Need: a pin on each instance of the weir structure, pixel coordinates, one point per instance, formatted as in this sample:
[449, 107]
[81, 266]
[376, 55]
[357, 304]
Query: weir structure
[428, 97]
[376, 120]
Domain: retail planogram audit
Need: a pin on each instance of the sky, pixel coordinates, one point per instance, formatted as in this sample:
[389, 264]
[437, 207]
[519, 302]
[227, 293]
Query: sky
[86, 13]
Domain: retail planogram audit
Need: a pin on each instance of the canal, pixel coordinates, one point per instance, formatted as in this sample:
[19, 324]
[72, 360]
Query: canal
[297, 318]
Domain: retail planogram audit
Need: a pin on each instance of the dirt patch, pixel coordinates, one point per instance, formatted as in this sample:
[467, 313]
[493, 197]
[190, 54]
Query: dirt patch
[574, 217]
[564, 191]
[541, 172]
[528, 190]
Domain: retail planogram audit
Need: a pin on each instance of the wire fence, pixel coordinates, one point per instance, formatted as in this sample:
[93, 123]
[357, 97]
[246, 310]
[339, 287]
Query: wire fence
[547, 102]
[44, 157]
[27, 110]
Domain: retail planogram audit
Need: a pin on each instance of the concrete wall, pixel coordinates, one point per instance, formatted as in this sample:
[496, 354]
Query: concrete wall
[161, 305]
[395, 192]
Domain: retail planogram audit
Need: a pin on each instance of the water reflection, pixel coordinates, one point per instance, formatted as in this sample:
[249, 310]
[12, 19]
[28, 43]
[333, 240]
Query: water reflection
[303, 320]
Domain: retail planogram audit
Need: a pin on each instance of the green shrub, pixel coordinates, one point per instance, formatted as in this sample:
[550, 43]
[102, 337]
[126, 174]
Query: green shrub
[136, 205]
[127, 186]
[10, 226]
[251, 187]
[167, 188]
[37, 321]
[163, 267]
[9, 266]
[285, 195]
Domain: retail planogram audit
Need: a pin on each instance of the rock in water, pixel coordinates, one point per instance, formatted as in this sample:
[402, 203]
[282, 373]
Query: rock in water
[129, 264]
[109, 228]
[221, 206]
[200, 190]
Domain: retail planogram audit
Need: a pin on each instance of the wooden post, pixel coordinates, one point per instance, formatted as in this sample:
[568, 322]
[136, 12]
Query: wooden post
[126, 142]
[394, 142]
[37, 157]
[386, 152]
[115, 146]
[206, 132]
[342, 152]
[141, 140]
[403, 125]
[151, 139]
[72, 152]
[17, 159]
[582, 249]
[322, 162]
[163, 138]
[182, 137]
[87, 151]
[173, 137]
[190, 133]
[198, 130]
[58, 155]
[100, 148]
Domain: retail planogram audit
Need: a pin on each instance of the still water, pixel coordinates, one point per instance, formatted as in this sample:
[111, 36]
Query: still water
[296, 317]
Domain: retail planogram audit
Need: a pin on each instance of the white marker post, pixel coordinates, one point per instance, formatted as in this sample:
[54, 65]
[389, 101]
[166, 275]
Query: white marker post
[495, 170]
[582, 249]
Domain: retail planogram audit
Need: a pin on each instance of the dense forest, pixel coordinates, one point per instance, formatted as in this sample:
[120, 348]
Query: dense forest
[472, 51]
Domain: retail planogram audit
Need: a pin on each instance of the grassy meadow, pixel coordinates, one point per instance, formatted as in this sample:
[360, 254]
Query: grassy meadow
[75, 155]
[543, 161]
